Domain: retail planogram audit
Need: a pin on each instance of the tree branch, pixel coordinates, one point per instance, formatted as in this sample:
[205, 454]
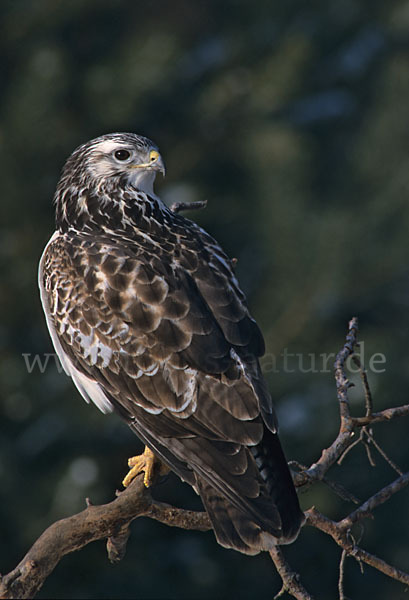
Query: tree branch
[380, 497]
[384, 415]
[93, 523]
[178, 207]
[178, 517]
[112, 521]
[330, 455]
[291, 579]
[342, 444]
[341, 537]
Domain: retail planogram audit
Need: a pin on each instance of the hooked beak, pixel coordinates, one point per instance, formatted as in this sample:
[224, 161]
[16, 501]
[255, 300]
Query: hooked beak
[158, 165]
[155, 163]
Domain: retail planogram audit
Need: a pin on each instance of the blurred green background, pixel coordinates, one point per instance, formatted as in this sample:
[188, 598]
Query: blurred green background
[291, 119]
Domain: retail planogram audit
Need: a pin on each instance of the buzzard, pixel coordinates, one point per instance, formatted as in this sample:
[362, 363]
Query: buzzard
[149, 321]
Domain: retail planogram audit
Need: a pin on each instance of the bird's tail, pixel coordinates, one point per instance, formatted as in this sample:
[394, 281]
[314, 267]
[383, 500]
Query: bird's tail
[253, 532]
[273, 467]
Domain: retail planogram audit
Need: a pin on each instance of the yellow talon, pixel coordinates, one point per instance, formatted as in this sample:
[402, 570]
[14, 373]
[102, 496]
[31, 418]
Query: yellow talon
[146, 463]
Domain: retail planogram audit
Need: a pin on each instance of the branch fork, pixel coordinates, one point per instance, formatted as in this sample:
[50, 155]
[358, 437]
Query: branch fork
[112, 521]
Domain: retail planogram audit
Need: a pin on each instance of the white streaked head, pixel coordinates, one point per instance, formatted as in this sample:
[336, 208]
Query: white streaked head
[115, 155]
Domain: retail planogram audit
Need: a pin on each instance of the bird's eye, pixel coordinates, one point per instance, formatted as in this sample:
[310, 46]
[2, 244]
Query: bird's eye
[122, 154]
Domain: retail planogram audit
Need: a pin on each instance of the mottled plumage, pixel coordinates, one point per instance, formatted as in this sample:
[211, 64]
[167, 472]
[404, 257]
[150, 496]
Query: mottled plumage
[148, 319]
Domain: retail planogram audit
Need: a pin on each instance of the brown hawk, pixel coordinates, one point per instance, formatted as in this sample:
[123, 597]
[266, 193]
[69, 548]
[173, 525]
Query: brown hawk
[147, 317]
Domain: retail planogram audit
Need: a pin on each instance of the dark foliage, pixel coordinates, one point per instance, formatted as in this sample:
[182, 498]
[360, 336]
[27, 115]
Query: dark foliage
[291, 120]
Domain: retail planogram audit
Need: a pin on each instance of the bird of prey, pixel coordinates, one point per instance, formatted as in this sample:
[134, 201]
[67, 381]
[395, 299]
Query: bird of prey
[148, 319]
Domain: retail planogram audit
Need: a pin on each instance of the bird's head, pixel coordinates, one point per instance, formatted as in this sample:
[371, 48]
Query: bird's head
[125, 156]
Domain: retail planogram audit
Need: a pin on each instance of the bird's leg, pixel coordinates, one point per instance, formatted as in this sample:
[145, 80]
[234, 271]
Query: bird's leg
[147, 463]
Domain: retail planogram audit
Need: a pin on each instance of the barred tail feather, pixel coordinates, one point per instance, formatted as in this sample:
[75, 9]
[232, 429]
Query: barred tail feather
[273, 467]
[233, 528]
[240, 530]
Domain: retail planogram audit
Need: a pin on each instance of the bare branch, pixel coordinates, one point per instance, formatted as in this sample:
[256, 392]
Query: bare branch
[112, 521]
[337, 452]
[341, 575]
[301, 478]
[342, 383]
[330, 455]
[116, 544]
[376, 500]
[178, 517]
[340, 536]
[348, 449]
[365, 383]
[178, 207]
[382, 452]
[291, 579]
[383, 415]
[345, 442]
[94, 523]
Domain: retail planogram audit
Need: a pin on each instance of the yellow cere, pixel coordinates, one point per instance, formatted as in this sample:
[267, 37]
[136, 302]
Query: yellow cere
[153, 155]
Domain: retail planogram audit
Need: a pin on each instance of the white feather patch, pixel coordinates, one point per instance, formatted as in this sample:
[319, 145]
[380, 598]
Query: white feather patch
[89, 389]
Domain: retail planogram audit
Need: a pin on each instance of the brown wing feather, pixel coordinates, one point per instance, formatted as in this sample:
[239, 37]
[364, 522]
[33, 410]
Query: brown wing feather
[147, 317]
[173, 347]
[142, 333]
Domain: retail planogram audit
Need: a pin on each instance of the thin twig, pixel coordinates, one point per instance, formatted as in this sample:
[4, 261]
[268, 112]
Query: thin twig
[365, 441]
[332, 528]
[116, 544]
[301, 478]
[348, 449]
[390, 462]
[365, 383]
[376, 500]
[337, 452]
[382, 416]
[178, 207]
[342, 382]
[341, 575]
[331, 454]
